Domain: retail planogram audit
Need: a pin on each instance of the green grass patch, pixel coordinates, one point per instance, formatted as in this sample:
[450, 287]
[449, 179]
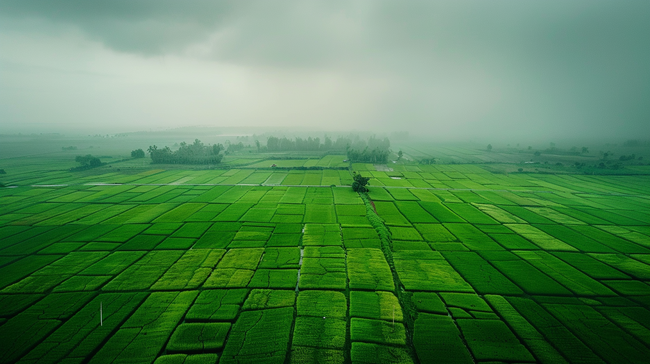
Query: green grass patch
[229, 278]
[142, 337]
[257, 336]
[175, 244]
[325, 333]
[260, 299]
[375, 305]
[368, 270]
[430, 275]
[440, 212]
[404, 233]
[428, 302]
[190, 271]
[198, 337]
[241, 258]
[323, 273]
[329, 304]
[435, 232]
[300, 354]
[377, 331]
[533, 339]
[437, 339]
[480, 274]
[375, 353]
[143, 273]
[493, 340]
[320, 214]
[216, 305]
[280, 258]
[274, 278]
[316, 234]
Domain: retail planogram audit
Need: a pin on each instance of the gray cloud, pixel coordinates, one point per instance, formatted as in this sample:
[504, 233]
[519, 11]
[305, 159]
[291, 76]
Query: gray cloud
[450, 68]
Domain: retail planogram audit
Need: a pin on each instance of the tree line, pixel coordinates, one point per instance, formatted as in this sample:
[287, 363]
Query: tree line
[195, 153]
[374, 151]
[368, 156]
[354, 142]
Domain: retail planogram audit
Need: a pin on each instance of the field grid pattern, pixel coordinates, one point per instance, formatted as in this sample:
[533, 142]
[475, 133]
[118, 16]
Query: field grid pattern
[252, 265]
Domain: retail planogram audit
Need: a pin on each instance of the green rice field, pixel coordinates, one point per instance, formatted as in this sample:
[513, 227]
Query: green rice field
[440, 263]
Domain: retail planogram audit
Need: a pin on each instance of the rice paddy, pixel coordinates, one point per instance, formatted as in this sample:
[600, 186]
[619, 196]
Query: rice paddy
[457, 265]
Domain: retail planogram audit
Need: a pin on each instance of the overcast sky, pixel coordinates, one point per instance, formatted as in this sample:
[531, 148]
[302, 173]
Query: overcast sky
[453, 69]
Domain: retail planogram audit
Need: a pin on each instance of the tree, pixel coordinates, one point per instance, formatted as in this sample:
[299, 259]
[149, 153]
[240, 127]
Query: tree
[195, 153]
[138, 153]
[489, 147]
[400, 154]
[360, 182]
[585, 150]
[88, 161]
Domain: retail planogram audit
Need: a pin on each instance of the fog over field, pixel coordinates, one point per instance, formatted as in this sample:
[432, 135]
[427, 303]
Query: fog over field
[498, 70]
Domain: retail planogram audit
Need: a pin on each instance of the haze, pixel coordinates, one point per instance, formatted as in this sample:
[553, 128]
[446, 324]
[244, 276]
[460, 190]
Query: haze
[455, 70]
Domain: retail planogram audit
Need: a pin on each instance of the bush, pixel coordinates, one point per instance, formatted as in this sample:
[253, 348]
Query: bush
[138, 153]
[360, 182]
[88, 161]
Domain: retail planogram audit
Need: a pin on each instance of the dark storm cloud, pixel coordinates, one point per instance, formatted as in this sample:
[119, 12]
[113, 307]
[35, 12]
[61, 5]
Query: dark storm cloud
[449, 68]
[143, 27]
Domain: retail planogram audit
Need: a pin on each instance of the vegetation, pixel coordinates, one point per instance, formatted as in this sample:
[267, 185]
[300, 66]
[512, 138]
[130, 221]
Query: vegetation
[138, 153]
[445, 261]
[427, 161]
[360, 183]
[195, 153]
[234, 147]
[368, 156]
[87, 162]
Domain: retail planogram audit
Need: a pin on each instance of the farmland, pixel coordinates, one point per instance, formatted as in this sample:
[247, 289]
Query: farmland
[439, 263]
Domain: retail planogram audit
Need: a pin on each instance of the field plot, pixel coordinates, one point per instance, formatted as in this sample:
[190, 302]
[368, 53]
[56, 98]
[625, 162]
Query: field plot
[442, 263]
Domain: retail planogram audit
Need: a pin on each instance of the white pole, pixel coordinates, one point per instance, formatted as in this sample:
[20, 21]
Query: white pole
[101, 314]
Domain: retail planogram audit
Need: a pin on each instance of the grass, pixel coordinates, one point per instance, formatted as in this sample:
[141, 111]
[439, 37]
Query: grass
[524, 267]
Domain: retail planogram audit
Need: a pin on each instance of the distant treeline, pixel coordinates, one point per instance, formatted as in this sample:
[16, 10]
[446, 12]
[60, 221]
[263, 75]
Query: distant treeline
[275, 144]
[234, 147]
[374, 151]
[195, 153]
[87, 162]
[368, 156]
[636, 143]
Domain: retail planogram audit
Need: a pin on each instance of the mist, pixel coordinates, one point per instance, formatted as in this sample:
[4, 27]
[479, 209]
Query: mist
[462, 70]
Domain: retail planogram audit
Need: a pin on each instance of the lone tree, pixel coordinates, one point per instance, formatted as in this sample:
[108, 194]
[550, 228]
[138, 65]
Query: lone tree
[489, 147]
[360, 182]
[400, 154]
[138, 153]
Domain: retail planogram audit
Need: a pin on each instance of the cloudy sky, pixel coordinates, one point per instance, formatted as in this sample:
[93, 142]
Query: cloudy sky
[452, 69]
